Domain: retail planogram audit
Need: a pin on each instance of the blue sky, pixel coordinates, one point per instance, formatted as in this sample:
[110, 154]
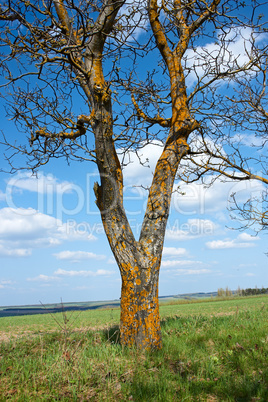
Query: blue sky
[52, 243]
[53, 247]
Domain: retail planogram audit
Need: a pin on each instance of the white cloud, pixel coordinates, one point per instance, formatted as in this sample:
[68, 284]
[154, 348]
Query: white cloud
[24, 224]
[191, 229]
[174, 263]
[60, 273]
[43, 278]
[76, 256]
[14, 252]
[99, 272]
[192, 271]
[220, 244]
[173, 251]
[205, 60]
[141, 165]
[242, 241]
[205, 198]
[250, 274]
[133, 16]
[247, 265]
[247, 237]
[190, 199]
[6, 284]
[41, 183]
[23, 229]
[250, 140]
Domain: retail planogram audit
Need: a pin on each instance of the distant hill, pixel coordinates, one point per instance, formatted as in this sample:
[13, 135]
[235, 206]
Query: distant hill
[55, 308]
[59, 307]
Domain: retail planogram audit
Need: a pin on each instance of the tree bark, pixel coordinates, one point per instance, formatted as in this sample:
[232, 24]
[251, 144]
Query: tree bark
[140, 320]
[138, 261]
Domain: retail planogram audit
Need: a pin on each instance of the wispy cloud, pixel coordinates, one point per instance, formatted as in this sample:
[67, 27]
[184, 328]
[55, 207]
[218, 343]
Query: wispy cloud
[14, 252]
[23, 229]
[203, 61]
[244, 240]
[134, 18]
[76, 256]
[41, 183]
[175, 263]
[43, 278]
[192, 229]
[99, 272]
[140, 165]
[192, 271]
[59, 274]
[6, 284]
[173, 251]
[221, 244]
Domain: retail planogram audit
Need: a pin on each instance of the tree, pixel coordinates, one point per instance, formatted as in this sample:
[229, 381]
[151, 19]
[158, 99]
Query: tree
[55, 51]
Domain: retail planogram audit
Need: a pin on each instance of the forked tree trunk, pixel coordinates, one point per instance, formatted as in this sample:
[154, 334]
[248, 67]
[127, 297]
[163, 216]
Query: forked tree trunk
[138, 261]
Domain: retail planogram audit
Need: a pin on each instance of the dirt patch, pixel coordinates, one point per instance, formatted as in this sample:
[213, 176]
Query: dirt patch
[4, 337]
[226, 313]
[11, 336]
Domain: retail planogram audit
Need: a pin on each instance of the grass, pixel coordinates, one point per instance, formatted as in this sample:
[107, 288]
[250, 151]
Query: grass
[212, 351]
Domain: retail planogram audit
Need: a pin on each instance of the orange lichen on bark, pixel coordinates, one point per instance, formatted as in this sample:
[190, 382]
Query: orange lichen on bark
[140, 320]
[63, 15]
[158, 30]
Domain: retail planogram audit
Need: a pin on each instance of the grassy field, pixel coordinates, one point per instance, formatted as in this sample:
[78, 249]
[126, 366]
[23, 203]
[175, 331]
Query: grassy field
[212, 351]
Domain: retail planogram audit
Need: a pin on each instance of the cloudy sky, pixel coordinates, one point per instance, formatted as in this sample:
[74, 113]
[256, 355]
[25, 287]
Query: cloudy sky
[52, 243]
[53, 247]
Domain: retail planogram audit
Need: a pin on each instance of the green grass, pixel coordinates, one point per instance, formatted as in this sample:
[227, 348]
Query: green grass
[212, 351]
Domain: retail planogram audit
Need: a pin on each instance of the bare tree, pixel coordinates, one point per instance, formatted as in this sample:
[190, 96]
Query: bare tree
[55, 51]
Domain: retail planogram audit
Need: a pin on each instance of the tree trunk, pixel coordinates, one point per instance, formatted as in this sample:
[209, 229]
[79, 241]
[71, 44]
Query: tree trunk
[140, 320]
[138, 261]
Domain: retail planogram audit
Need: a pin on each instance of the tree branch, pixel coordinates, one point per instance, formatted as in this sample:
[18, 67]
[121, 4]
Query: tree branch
[152, 120]
[158, 30]
[80, 125]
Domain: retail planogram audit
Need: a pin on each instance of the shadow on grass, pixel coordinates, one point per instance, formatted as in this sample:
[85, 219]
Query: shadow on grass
[112, 335]
[167, 321]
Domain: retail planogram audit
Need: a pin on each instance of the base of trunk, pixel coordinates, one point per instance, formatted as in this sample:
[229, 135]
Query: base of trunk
[140, 320]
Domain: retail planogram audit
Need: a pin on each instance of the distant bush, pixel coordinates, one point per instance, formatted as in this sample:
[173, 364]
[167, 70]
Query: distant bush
[224, 292]
[241, 292]
[254, 291]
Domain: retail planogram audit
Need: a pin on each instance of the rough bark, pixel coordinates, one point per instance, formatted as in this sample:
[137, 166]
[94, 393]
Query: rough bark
[139, 261]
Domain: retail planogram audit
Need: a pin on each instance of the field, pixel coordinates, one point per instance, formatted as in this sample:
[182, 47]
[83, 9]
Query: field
[213, 350]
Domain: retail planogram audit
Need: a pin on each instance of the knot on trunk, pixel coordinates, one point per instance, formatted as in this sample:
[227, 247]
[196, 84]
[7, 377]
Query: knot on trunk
[160, 213]
[181, 131]
[98, 194]
[102, 92]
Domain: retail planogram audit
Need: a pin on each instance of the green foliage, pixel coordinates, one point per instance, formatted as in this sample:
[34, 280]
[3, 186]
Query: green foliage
[254, 291]
[212, 351]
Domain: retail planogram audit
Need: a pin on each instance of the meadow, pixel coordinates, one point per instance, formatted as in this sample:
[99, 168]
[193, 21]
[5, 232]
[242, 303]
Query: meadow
[213, 350]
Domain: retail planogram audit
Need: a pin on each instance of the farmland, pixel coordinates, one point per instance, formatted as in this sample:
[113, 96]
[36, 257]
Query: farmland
[213, 350]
